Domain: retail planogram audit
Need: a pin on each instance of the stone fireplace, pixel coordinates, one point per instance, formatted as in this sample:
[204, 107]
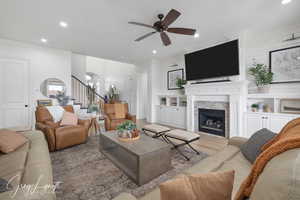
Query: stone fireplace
[224, 97]
[212, 117]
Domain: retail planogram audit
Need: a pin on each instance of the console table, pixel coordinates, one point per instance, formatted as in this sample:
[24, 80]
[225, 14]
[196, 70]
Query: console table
[141, 160]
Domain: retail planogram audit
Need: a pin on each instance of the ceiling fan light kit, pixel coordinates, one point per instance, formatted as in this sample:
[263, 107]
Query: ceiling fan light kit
[162, 26]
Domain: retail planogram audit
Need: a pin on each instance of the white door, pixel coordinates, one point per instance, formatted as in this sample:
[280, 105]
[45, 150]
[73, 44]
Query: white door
[254, 123]
[14, 97]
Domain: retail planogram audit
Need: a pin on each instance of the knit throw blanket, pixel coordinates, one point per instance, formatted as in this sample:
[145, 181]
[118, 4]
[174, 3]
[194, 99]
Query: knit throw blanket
[288, 138]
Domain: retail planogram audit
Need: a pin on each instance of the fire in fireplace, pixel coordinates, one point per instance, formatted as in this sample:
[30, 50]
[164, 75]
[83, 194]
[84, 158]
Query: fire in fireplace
[212, 121]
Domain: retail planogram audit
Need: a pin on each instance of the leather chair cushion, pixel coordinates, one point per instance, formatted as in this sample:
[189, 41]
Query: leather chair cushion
[109, 108]
[43, 115]
[70, 135]
[52, 124]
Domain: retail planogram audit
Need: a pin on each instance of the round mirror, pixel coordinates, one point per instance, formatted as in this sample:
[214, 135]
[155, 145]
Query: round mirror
[52, 87]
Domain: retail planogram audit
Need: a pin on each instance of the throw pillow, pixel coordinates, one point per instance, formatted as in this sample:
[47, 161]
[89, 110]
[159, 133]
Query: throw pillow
[252, 148]
[11, 140]
[4, 185]
[69, 119]
[213, 186]
[177, 189]
[210, 186]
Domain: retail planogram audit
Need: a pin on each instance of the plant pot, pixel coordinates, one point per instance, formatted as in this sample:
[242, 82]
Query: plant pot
[263, 89]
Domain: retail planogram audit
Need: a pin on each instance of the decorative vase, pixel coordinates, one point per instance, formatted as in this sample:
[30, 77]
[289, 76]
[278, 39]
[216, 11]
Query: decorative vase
[263, 88]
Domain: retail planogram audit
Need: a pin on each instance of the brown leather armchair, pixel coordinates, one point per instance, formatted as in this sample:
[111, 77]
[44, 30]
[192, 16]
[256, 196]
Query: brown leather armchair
[60, 137]
[116, 114]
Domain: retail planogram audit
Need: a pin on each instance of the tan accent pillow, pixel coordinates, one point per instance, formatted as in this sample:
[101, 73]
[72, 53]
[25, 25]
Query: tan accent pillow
[177, 189]
[11, 140]
[213, 186]
[210, 186]
[69, 119]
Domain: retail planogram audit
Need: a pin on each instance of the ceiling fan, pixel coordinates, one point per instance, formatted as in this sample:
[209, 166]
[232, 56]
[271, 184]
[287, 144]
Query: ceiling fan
[162, 26]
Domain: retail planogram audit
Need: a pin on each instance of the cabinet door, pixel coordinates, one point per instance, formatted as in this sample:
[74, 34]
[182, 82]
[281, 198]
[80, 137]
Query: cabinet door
[177, 117]
[164, 114]
[276, 123]
[181, 118]
[254, 123]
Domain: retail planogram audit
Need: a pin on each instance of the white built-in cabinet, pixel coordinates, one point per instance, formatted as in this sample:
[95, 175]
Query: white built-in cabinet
[272, 121]
[171, 116]
[171, 111]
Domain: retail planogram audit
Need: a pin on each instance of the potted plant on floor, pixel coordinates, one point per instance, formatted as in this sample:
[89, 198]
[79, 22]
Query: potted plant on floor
[263, 77]
[180, 83]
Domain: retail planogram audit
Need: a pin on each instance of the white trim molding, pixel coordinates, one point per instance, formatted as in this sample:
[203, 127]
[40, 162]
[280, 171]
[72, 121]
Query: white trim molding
[232, 92]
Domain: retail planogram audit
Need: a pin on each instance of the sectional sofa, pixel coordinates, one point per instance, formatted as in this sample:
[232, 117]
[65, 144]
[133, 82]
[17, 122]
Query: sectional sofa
[28, 169]
[280, 179]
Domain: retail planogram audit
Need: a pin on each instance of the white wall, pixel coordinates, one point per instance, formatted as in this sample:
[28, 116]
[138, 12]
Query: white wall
[254, 44]
[258, 44]
[43, 63]
[78, 65]
[122, 75]
[142, 96]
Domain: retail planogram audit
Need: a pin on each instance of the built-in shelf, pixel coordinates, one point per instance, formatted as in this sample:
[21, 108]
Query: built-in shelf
[272, 101]
[172, 100]
[273, 96]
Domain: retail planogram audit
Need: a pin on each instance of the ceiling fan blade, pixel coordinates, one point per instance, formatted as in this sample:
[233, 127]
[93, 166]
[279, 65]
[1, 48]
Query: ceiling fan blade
[171, 17]
[184, 31]
[165, 38]
[141, 24]
[144, 36]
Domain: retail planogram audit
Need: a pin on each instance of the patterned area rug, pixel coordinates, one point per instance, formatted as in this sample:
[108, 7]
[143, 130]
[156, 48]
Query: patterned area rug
[87, 174]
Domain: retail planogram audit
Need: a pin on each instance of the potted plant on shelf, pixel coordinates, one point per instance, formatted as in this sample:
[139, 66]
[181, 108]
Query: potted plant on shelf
[254, 107]
[263, 77]
[127, 130]
[180, 83]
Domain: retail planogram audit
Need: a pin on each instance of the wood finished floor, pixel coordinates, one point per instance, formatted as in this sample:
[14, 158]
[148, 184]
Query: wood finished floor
[208, 144]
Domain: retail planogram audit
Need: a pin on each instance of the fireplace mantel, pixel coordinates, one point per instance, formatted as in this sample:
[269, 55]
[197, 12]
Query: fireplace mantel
[232, 92]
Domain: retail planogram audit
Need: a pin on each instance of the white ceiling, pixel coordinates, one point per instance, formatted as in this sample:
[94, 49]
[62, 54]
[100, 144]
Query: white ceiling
[99, 27]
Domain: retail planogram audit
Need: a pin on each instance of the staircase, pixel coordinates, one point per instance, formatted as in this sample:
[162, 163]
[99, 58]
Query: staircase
[80, 92]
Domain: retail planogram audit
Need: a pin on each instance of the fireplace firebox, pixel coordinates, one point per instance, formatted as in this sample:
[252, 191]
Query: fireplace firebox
[212, 121]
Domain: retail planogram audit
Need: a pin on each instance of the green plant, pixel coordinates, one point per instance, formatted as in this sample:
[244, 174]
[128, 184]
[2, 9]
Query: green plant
[126, 126]
[180, 82]
[262, 75]
[113, 93]
[254, 106]
[93, 108]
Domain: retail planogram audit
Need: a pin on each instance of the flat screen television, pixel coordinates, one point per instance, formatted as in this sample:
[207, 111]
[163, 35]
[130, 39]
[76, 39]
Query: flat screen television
[218, 61]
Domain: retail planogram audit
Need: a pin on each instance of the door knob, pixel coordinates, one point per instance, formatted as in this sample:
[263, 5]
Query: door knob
[26, 106]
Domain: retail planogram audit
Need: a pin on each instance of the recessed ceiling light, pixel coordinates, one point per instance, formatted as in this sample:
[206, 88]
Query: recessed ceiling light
[44, 40]
[284, 2]
[154, 52]
[298, 58]
[196, 35]
[63, 24]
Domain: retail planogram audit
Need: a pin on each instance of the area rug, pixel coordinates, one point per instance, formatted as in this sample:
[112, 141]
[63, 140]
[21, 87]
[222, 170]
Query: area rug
[87, 174]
